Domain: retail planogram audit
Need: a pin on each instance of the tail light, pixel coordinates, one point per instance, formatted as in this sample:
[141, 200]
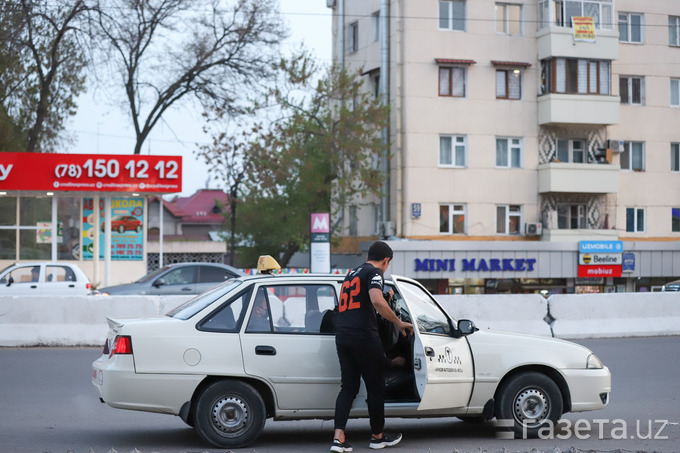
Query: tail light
[121, 345]
[88, 285]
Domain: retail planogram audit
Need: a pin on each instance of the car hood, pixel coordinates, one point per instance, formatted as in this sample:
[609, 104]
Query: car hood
[496, 350]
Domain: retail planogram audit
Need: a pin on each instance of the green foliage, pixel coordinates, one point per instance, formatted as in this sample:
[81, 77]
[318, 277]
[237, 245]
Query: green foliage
[42, 63]
[318, 154]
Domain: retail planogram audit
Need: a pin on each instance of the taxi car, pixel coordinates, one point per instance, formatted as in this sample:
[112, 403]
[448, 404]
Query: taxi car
[225, 365]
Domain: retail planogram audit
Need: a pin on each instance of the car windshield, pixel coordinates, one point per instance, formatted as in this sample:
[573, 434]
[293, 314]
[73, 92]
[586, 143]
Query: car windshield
[153, 275]
[198, 303]
[429, 317]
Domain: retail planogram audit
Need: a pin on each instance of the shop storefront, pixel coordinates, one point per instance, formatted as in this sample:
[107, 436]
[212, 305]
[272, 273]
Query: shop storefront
[466, 267]
[86, 209]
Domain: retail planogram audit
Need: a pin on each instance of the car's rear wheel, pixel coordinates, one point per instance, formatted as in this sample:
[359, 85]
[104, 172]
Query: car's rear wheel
[121, 229]
[229, 414]
[531, 401]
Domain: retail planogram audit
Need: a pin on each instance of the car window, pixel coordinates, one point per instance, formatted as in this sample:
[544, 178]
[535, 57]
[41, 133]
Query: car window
[430, 319]
[198, 303]
[153, 275]
[59, 274]
[260, 315]
[296, 309]
[25, 274]
[228, 317]
[181, 276]
[212, 274]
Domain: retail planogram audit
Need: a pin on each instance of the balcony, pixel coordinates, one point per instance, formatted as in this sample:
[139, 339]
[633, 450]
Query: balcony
[578, 178]
[559, 42]
[557, 108]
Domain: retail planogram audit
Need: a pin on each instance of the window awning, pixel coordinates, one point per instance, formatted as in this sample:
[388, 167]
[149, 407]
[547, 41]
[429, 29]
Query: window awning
[514, 64]
[454, 61]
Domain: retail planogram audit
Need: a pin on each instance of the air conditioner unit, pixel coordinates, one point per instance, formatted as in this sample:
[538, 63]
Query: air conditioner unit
[615, 145]
[534, 229]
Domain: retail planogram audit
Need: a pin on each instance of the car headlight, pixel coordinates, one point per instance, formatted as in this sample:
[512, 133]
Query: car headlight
[593, 362]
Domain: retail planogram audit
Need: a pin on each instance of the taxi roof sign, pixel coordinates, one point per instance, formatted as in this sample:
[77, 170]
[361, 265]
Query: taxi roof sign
[266, 264]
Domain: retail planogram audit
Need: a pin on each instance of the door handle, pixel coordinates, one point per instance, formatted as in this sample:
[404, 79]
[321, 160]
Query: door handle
[265, 350]
[34, 286]
[429, 351]
[72, 286]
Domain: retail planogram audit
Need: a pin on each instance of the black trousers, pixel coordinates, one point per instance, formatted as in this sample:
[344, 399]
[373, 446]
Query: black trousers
[361, 359]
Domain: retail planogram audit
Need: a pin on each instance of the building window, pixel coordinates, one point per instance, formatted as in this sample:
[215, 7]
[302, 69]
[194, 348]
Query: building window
[630, 27]
[571, 216]
[675, 156]
[571, 75]
[452, 219]
[508, 19]
[560, 12]
[509, 152]
[452, 82]
[572, 150]
[508, 219]
[675, 220]
[353, 37]
[452, 15]
[631, 90]
[674, 30]
[633, 156]
[375, 26]
[675, 92]
[452, 151]
[508, 84]
[353, 221]
[635, 220]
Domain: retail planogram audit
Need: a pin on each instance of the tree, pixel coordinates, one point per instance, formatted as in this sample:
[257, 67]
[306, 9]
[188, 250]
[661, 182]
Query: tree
[42, 70]
[318, 154]
[165, 51]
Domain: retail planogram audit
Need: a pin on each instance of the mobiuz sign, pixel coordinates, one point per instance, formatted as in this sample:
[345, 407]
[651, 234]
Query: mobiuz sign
[474, 265]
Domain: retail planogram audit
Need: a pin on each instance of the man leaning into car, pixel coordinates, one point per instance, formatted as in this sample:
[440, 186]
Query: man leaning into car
[359, 348]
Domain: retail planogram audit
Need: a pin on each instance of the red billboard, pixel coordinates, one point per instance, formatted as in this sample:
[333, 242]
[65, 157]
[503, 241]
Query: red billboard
[604, 270]
[90, 172]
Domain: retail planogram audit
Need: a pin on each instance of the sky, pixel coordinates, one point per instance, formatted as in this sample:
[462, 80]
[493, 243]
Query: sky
[101, 127]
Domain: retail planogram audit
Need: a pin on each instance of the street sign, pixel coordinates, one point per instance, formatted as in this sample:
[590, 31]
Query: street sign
[600, 258]
[628, 262]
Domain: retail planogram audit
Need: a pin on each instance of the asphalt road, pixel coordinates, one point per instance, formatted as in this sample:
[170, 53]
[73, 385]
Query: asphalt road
[47, 404]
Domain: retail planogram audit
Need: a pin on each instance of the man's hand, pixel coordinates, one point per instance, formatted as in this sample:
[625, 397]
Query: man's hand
[405, 327]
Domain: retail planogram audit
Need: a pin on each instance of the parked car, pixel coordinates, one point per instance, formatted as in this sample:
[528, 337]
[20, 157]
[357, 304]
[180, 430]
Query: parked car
[43, 279]
[179, 278]
[212, 363]
[671, 286]
[123, 223]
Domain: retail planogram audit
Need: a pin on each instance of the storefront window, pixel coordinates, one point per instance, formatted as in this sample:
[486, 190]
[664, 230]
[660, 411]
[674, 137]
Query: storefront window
[68, 214]
[34, 210]
[8, 244]
[8, 211]
[31, 247]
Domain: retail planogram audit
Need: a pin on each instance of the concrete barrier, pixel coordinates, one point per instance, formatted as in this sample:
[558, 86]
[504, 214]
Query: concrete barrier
[72, 321]
[615, 315]
[511, 312]
[81, 321]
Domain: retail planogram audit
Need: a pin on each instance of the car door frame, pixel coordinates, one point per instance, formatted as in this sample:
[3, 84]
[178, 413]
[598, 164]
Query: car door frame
[443, 364]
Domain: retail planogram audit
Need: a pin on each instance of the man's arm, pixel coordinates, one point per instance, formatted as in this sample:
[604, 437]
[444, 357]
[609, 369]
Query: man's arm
[383, 308]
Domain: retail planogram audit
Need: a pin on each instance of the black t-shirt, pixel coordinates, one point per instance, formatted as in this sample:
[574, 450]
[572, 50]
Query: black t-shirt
[356, 315]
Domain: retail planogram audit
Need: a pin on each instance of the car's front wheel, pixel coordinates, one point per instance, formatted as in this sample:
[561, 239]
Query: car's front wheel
[229, 414]
[530, 401]
[121, 229]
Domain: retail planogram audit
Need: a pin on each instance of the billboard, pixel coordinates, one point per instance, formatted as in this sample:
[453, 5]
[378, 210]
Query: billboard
[90, 172]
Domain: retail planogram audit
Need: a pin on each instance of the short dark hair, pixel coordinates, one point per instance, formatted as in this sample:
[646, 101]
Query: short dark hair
[379, 251]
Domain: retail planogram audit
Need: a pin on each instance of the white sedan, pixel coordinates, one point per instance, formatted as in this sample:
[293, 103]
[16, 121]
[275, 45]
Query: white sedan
[44, 279]
[224, 364]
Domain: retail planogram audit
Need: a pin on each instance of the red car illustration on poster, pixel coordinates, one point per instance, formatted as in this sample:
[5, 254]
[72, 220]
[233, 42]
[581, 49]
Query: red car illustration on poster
[123, 223]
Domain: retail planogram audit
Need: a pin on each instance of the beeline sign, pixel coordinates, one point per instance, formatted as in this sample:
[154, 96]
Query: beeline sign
[90, 172]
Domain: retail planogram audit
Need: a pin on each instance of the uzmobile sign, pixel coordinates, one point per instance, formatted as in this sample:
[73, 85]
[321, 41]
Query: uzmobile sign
[584, 28]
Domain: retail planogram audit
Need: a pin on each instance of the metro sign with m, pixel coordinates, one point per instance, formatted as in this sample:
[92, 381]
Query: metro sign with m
[321, 222]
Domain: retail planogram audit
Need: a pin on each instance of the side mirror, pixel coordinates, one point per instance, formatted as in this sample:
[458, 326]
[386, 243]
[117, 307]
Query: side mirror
[466, 327]
[158, 283]
[10, 280]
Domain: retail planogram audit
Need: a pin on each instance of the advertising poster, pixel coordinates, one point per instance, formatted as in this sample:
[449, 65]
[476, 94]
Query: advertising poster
[127, 228]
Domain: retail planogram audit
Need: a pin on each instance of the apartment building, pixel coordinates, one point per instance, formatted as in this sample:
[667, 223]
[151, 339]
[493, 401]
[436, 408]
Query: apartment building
[522, 130]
